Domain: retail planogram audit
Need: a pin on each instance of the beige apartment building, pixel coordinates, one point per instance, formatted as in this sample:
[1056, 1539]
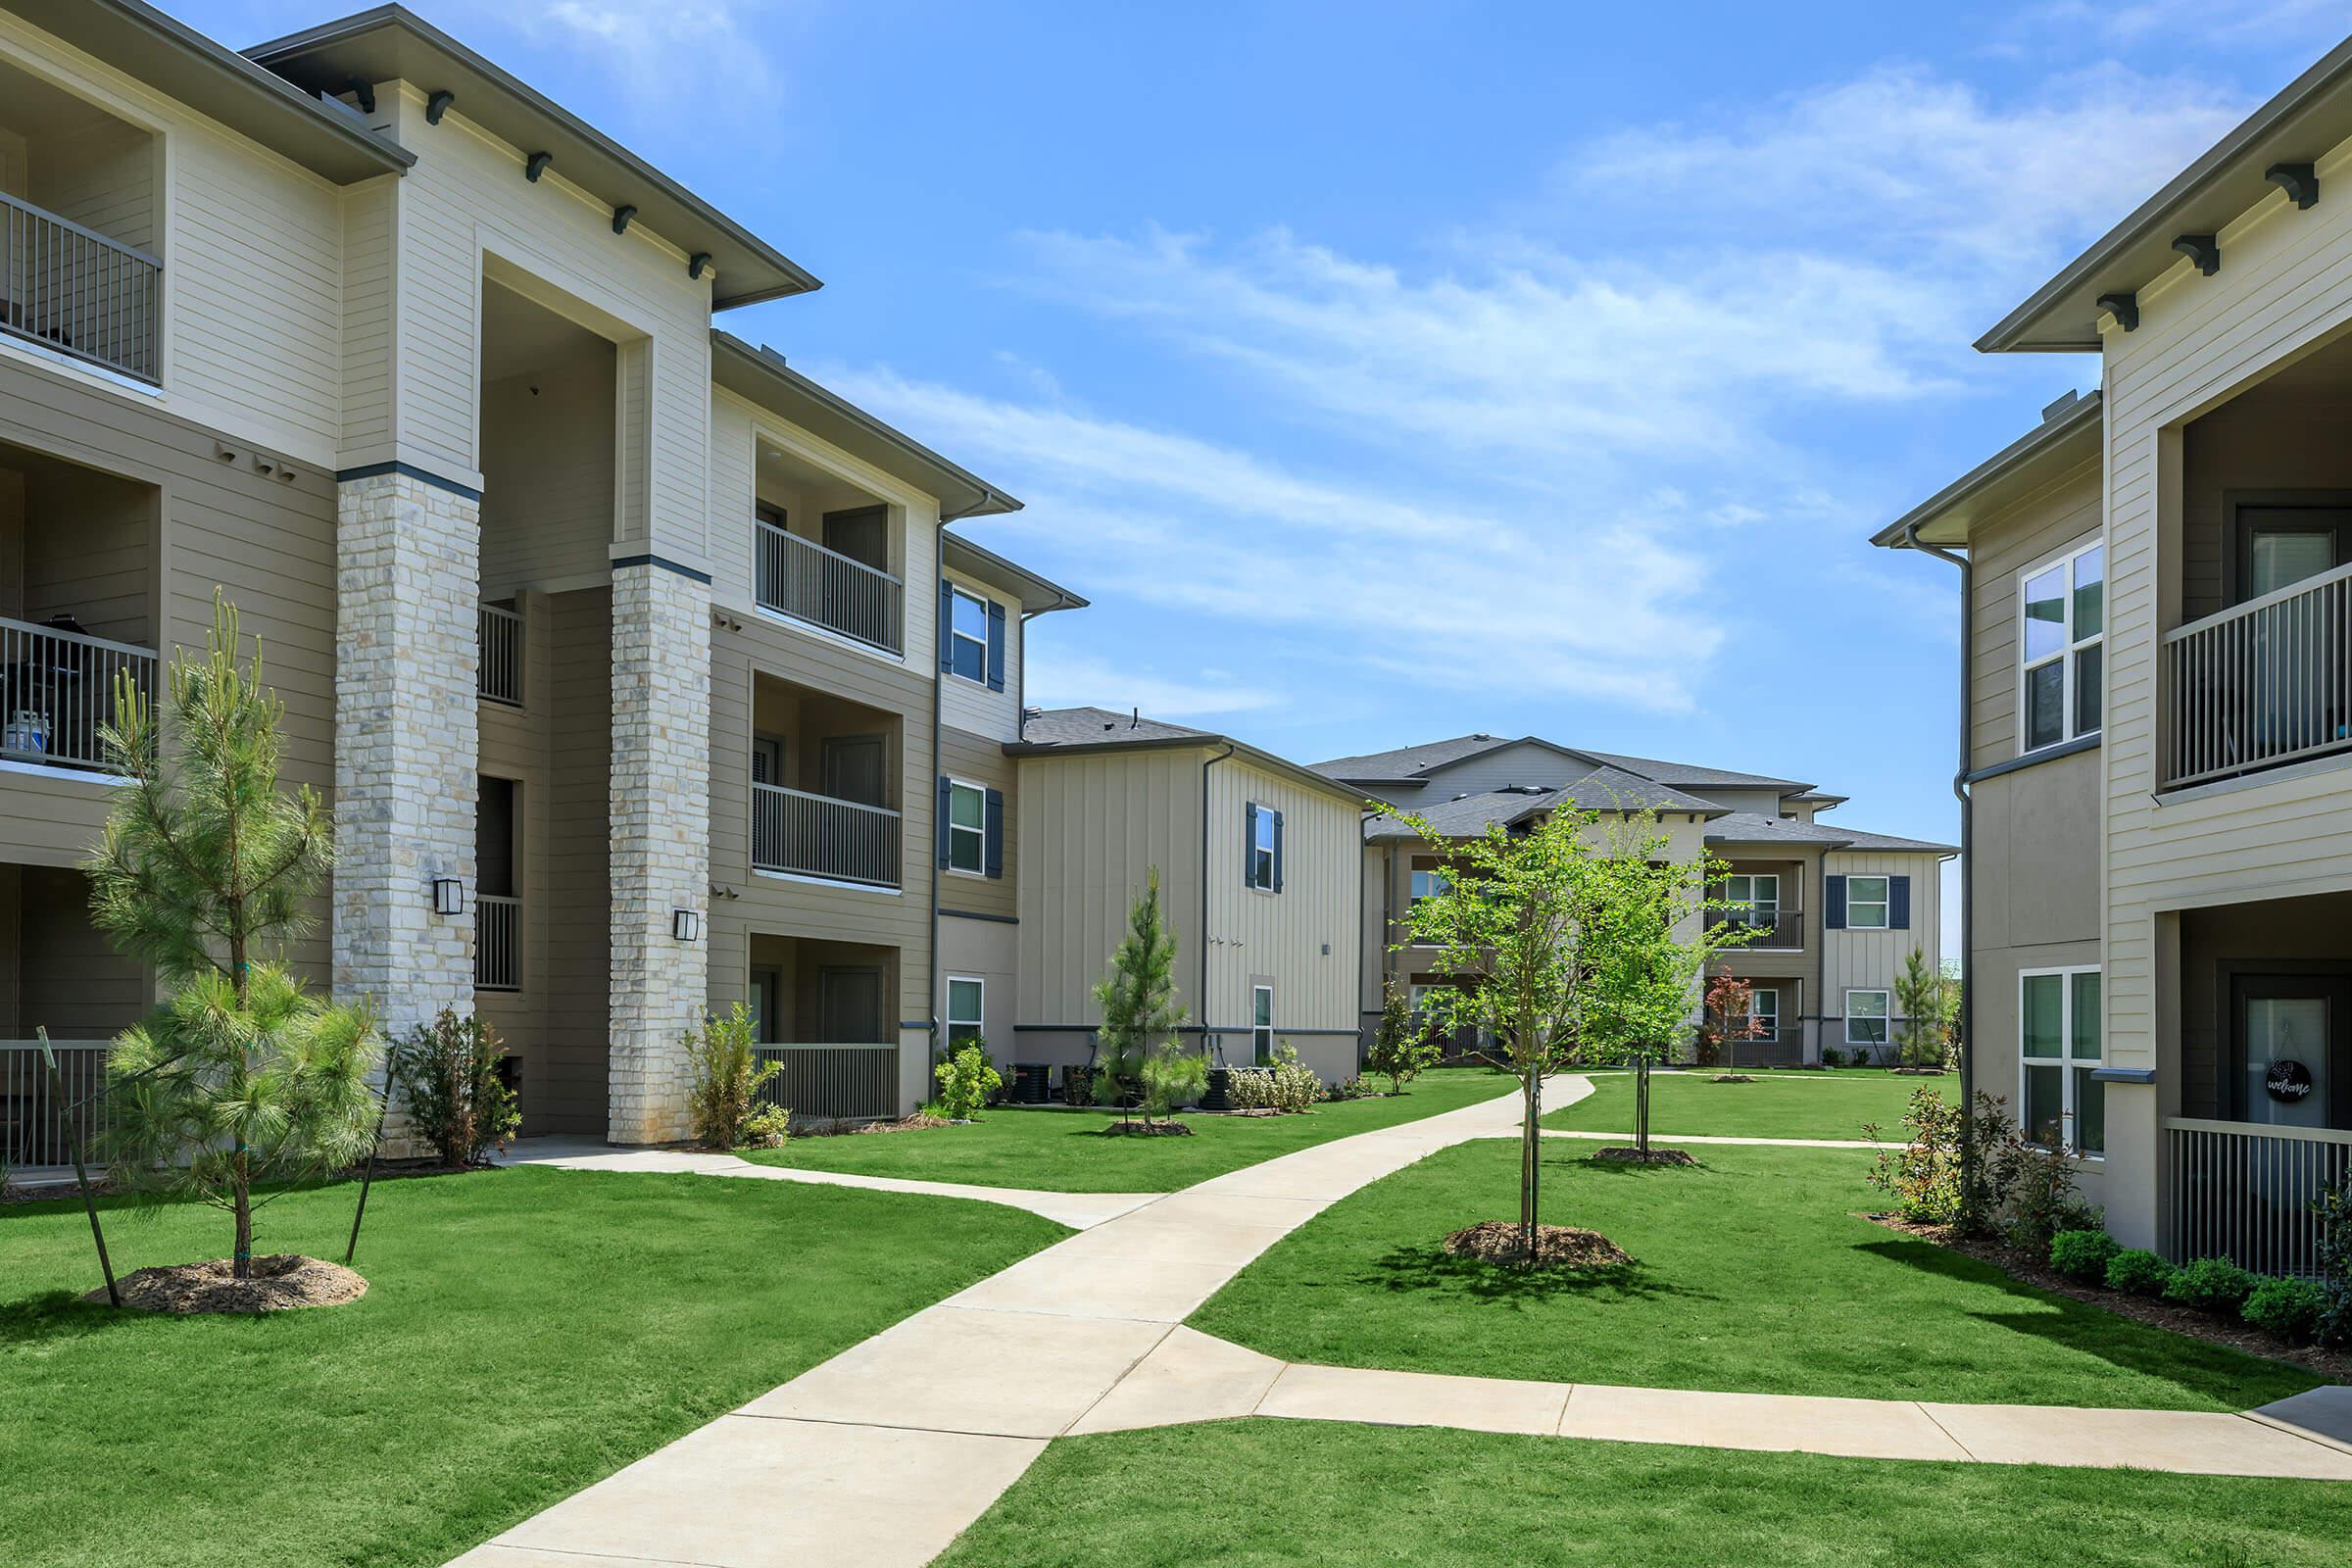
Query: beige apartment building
[1832, 911]
[2158, 727]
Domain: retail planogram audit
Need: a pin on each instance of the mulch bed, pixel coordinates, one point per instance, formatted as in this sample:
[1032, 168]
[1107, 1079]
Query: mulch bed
[1731, 1078]
[281, 1282]
[1626, 1156]
[1147, 1129]
[1497, 1241]
[2333, 1364]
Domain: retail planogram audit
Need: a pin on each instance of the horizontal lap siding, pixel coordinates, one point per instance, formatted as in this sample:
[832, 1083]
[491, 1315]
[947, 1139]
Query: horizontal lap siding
[981, 761]
[2063, 518]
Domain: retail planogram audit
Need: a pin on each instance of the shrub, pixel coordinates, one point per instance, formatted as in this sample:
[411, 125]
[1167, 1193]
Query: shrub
[729, 1076]
[1172, 1076]
[1348, 1089]
[458, 1103]
[1295, 1083]
[2139, 1271]
[1922, 1177]
[1403, 1046]
[2289, 1308]
[2210, 1285]
[767, 1127]
[965, 1081]
[2083, 1255]
[2038, 1199]
[2335, 1210]
[1832, 1056]
[1250, 1089]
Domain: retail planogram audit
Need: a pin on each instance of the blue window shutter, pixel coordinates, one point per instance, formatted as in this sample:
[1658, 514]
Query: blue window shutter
[946, 627]
[996, 833]
[995, 645]
[1833, 897]
[1249, 845]
[1278, 851]
[946, 793]
[1898, 904]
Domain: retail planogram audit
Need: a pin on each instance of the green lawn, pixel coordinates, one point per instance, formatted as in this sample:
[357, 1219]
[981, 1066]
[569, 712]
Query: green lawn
[1067, 1150]
[525, 1332]
[1257, 1492]
[1777, 1104]
[1751, 1275]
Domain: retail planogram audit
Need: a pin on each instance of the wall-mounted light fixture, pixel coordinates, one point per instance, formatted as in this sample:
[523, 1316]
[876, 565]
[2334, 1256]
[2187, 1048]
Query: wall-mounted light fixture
[686, 924]
[449, 895]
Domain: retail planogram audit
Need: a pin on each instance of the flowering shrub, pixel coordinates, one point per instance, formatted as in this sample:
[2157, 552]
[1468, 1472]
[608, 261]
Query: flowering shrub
[1349, 1089]
[1296, 1085]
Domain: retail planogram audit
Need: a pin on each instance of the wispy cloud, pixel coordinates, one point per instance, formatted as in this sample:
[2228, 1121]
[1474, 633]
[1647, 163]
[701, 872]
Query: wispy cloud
[662, 53]
[1087, 681]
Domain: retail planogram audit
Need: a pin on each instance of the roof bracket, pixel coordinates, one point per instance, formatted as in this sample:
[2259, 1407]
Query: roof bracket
[536, 165]
[621, 219]
[362, 94]
[2301, 181]
[438, 105]
[2202, 249]
[696, 265]
[2125, 307]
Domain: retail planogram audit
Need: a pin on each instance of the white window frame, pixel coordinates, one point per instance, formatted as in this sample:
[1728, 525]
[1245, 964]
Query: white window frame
[2070, 647]
[1756, 994]
[978, 1022]
[1266, 843]
[1885, 902]
[959, 594]
[981, 832]
[2066, 1063]
[1886, 1016]
[1751, 902]
[1261, 1035]
[1439, 880]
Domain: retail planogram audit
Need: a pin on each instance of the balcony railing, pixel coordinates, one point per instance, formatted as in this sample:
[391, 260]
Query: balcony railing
[817, 835]
[78, 292]
[499, 678]
[1773, 928]
[800, 578]
[1775, 1048]
[57, 687]
[497, 942]
[2241, 1191]
[32, 1128]
[2263, 683]
[834, 1083]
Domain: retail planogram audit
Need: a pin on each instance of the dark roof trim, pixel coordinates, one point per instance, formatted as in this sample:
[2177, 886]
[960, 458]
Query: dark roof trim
[2310, 116]
[761, 375]
[1039, 596]
[2066, 437]
[1203, 741]
[392, 43]
[215, 81]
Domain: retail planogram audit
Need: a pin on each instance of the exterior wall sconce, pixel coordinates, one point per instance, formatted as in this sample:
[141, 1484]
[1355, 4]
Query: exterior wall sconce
[686, 924]
[449, 895]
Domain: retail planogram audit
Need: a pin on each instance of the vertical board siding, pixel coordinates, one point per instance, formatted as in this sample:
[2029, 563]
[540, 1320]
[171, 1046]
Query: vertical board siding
[1874, 959]
[1256, 937]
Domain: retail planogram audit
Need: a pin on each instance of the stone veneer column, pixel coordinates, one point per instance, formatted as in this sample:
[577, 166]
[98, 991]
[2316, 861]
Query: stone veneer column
[407, 737]
[661, 841]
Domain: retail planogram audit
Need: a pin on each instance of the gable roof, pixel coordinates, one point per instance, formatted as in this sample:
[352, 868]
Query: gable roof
[2067, 437]
[1411, 765]
[1604, 789]
[1689, 776]
[1750, 828]
[1405, 764]
[1077, 731]
[1036, 595]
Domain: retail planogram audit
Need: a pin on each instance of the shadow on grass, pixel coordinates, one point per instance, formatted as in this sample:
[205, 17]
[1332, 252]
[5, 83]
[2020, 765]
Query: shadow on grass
[52, 1316]
[1431, 1267]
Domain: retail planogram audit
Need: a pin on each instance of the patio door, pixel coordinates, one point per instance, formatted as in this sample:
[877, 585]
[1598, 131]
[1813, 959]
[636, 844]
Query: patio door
[848, 1006]
[767, 995]
[2291, 1056]
[853, 765]
[2278, 547]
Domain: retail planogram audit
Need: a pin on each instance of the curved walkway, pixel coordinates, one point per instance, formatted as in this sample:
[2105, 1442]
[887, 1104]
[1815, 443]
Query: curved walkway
[884, 1454]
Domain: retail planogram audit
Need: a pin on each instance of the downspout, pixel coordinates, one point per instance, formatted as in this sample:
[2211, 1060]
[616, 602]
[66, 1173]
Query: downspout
[1967, 861]
[931, 851]
[1203, 993]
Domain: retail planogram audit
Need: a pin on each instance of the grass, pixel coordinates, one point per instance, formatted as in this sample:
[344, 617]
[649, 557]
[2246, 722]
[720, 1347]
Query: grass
[1777, 1104]
[1751, 1274]
[1067, 1150]
[525, 1332]
[1272, 1491]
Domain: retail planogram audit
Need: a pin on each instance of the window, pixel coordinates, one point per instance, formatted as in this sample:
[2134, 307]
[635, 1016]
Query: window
[1764, 1011]
[1865, 1017]
[966, 1008]
[1867, 901]
[1752, 900]
[1428, 885]
[1262, 868]
[968, 635]
[1261, 1024]
[2061, 685]
[967, 828]
[2061, 1105]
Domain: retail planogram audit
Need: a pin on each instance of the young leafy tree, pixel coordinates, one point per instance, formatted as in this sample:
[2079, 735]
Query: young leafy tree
[1141, 1016]
[1729, 1017]
[242, 1078]
[1923, 998]
[1401, 1047]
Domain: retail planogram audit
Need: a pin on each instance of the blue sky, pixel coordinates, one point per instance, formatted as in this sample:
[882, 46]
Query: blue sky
[1387, 371]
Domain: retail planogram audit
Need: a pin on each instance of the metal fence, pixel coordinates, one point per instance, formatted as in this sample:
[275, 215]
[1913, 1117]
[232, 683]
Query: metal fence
[834, 1083]
[78, 292]
[817, 835]
[1773, 928]
[500, 674]
[800, 578]
[2262, 683]
[31, 1128]
[2245, 1193]
[58, 687]
[497, 942]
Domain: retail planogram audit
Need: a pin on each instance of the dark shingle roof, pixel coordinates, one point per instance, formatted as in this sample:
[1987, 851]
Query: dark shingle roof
[1412, 762]
[1606, 788]
[1072, 728]
[1689, 776]
[1408, 762]
[1752, 827]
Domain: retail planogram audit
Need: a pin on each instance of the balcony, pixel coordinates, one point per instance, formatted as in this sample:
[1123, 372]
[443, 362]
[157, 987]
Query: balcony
[803, 579]
[499, 677]
[830, 1083]
[2245, 1192]
[2261, 684]
[1770, 930]
[73, 289]
[497, 942]
[59, 687]
[802, 834]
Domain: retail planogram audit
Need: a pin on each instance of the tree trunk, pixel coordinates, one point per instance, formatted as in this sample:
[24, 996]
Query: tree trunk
[1642, 1103]
[1529, 1137]
[240, 1263]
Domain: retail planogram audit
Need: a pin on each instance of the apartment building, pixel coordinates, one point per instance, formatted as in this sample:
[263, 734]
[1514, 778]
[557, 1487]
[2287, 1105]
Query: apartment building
[2157, 727]
[1833, 911]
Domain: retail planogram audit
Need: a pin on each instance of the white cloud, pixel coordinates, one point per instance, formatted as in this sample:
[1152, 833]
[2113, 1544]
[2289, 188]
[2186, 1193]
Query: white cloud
[2207, 20]
[1082, 680]
[662, 53]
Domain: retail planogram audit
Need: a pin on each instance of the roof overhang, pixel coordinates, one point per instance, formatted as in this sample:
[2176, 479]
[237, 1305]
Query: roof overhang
[217, 81]
[2066, 439]
[2313, 113]
[391, 44]
[1202, 742]
[761, 375]
[1037, 595]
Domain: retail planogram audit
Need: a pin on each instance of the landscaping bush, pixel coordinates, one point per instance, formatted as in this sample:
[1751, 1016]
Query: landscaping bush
[965, 1081]
[2083, 1255]
[767, 1127]
[1172, 1076]
[1922, 1177]
[2037, 1198]
[2334, 1212]
[1349, 1089]
[2210, 1285]
[2289, 1308]
[1832, 1056]
[1403, 1046]
[2139, 1271]
[1295, 1083]
[448, 1070]
[1250, 1089]
[729, 1076]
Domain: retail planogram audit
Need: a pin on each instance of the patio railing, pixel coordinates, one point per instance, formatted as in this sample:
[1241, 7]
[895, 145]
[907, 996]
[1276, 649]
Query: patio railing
[58, 687]
[818, 835]
[800, 578]
[500, 673]
[73, 290]
[1773, 928]
[834, 1083]
[31, 1130]
[497, 942]
[2242, 1191]
[2261, 684]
